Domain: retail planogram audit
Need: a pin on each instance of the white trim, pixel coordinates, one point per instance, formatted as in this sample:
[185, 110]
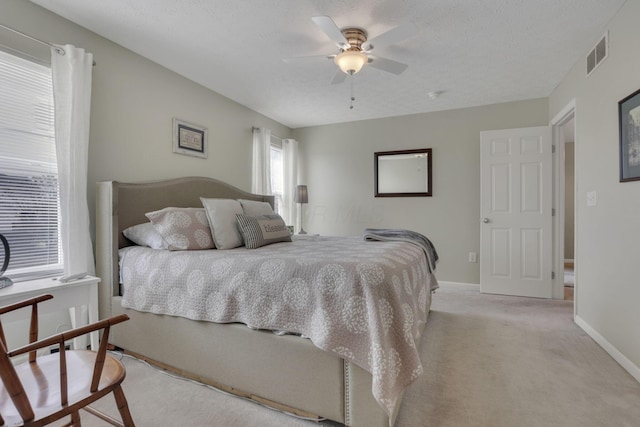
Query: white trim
[627, 364]
[560, 119]
[468, 286]
[564, 114]
[558, 202]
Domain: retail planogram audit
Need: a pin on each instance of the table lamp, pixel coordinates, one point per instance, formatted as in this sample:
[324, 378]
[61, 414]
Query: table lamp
[301, 196]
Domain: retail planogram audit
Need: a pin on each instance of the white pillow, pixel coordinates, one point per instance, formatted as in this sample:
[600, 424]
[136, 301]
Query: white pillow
[255, 208]
[222, 220]
[145, 235]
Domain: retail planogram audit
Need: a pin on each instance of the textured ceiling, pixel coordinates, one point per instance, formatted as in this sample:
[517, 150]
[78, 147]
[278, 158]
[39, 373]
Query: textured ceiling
[474, 52]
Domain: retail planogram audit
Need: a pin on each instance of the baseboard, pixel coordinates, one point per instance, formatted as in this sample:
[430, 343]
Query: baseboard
[459, 285]
[622, 360]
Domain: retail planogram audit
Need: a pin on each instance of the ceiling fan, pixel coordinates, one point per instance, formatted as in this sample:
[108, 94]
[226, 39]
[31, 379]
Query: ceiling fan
[354, 48]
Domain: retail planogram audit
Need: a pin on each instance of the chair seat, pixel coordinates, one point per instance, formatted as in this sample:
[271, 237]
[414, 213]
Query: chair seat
[41, 382]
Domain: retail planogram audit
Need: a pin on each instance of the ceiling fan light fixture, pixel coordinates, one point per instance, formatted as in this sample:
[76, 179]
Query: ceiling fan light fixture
[351, 61]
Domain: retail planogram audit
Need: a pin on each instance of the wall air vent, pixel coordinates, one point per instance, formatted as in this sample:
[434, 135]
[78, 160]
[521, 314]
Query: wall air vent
[598, 53]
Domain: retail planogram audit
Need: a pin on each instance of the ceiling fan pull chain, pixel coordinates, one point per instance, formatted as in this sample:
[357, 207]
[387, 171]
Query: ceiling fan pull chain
[353, 98]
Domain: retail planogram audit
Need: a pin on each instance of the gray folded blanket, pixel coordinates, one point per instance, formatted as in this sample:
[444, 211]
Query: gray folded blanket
[399, 235]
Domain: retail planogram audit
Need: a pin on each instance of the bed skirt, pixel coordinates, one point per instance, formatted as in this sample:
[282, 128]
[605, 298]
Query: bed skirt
[286, 372]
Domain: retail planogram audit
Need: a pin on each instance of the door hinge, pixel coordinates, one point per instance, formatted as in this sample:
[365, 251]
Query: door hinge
[553, 275]
[553, 149]
[553, 211]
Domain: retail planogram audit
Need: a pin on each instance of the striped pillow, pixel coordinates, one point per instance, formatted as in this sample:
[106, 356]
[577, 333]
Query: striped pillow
[262, 230]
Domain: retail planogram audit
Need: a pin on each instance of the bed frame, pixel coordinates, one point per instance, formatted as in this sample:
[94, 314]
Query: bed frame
[285, 372]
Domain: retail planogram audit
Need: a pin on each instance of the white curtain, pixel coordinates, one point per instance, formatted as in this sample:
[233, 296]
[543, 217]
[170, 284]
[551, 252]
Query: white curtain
[290, 160]
[72, 98]
[261, 179]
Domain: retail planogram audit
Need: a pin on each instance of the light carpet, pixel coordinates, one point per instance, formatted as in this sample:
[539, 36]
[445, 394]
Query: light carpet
[489, 361]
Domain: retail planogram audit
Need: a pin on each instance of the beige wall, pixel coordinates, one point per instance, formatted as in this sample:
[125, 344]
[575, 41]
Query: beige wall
[133, 103]
[607, 279]
[337, 166]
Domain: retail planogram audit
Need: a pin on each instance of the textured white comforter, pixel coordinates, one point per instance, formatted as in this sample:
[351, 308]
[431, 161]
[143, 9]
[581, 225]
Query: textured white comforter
[366, 302]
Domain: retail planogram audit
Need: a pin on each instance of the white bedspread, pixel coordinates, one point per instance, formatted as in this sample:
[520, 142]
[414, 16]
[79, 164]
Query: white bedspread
[366, 302]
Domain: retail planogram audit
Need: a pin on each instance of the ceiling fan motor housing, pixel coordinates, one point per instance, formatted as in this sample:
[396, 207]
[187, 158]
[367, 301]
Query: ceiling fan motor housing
[356, 37]
[351, 59]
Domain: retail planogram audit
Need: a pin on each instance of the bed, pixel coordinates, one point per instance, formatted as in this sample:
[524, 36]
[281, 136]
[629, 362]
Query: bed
[310, 370]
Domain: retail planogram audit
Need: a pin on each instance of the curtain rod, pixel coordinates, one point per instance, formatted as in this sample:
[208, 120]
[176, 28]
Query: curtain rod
[58, 49]
[272, 135]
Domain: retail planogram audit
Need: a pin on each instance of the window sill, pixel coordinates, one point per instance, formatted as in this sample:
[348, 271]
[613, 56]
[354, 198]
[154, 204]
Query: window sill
[41, 286]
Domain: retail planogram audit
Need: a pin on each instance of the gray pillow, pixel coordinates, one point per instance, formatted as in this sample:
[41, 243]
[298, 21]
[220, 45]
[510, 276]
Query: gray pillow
[262, 230]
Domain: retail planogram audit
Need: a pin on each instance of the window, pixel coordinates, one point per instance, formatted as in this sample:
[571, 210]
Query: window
[29, 195]
[277, 176]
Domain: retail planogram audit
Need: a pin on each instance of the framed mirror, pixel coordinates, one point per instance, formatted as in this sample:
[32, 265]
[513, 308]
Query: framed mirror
[403, 173]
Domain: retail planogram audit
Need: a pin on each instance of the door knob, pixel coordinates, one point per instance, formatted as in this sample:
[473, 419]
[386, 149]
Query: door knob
[485, 220]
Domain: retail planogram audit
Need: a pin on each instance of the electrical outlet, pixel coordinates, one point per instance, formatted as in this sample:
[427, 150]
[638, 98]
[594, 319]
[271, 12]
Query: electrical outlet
[473, 257]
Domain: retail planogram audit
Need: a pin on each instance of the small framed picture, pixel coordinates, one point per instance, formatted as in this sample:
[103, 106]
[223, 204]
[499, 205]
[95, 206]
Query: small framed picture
[629, 122]
[189, 139]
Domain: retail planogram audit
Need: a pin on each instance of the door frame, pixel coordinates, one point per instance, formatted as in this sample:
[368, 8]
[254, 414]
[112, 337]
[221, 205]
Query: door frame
[563, 117]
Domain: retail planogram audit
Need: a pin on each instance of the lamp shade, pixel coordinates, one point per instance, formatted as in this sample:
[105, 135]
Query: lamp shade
[351, 61]
[301, 195]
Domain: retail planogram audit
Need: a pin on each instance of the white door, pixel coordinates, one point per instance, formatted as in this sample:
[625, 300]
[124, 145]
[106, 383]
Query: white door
[516, 212]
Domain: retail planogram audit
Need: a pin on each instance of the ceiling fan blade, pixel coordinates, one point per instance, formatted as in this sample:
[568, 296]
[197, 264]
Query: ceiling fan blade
[392, 36]
[388, 65]
[339, 77]
[312, 58]
[330, 28]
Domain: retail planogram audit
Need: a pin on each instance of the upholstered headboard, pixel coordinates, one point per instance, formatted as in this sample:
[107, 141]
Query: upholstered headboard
[120, 205]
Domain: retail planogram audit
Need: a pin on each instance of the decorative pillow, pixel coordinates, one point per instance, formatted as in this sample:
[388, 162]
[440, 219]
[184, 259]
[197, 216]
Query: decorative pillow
[223, 223]
[255, 208]
[262, 230]
[183, 228]
[145, 235]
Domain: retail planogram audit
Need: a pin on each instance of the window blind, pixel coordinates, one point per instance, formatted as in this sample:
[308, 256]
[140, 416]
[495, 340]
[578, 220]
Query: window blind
[29, 194]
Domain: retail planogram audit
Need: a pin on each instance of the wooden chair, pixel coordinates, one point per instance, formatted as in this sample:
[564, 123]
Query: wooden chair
[50, 387]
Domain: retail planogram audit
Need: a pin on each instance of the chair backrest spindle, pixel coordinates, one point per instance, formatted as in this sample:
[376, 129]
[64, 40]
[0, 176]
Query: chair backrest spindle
[14, 386]
[64, 394]
[33, 330]
[3, 340]
[102, 352]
